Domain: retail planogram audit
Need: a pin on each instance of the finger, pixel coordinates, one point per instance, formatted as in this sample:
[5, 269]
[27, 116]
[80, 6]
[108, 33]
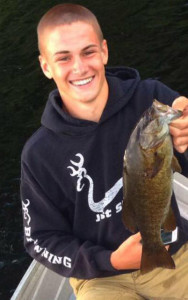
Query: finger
[180, 139]
[176, 132]
[181, 123]
[180, 143]
[185, 111]
[137, 237]
[180, 103]
[181, 149]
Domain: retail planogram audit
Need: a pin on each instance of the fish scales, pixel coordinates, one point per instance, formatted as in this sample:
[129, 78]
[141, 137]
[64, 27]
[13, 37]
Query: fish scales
[147, 183]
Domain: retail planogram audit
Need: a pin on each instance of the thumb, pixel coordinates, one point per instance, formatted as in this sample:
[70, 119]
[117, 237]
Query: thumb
[180, 103]
[136, 237]
[185, 111]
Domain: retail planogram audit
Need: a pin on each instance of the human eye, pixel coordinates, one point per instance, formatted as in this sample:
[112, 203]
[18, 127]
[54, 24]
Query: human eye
[64, 58]
[89, 52]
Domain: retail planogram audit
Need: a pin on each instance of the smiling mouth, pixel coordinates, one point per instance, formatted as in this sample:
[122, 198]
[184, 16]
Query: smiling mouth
[82, 82]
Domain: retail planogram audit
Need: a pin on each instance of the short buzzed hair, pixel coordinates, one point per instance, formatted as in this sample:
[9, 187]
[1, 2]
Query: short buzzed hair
[66, 14]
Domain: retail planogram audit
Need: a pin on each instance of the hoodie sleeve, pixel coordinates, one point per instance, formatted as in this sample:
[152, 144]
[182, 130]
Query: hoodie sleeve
[48, 237]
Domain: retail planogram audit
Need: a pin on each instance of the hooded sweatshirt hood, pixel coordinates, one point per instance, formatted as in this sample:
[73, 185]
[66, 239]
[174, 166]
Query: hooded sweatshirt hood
[122, 84]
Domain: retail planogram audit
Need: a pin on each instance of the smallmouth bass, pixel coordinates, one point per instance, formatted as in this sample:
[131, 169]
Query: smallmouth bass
[147, 184]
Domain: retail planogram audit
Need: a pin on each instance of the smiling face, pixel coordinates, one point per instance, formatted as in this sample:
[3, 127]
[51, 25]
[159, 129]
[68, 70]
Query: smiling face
[74, 57]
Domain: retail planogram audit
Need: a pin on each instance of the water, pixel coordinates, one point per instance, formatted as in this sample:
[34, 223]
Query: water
[151, 36]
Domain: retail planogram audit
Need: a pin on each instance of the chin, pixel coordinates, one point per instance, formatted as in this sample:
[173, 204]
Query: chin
[87, 99]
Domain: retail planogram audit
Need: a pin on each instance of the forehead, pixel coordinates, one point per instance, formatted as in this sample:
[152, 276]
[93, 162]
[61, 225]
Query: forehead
[77, 35]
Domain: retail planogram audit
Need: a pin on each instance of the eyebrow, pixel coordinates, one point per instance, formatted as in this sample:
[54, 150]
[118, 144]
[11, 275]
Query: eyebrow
[67, 52]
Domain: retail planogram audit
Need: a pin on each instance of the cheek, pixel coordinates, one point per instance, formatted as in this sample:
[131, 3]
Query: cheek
[60, 73]
[99, 66]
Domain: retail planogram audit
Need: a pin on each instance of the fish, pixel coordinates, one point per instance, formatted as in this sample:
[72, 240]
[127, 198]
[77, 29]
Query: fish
[148, 167]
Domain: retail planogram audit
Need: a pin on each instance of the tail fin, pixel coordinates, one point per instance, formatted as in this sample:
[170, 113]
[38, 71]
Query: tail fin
[154, 258]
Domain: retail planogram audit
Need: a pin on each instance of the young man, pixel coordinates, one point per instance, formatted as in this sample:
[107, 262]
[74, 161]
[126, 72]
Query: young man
[72, 166]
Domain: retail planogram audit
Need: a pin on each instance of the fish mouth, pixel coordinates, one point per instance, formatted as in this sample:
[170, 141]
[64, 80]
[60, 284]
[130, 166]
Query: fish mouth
[154, 125]
[164, 112]
[82, 82]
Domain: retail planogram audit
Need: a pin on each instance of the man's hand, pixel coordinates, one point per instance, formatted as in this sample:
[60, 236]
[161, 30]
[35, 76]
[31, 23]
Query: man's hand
[128, 255]
[179, 127]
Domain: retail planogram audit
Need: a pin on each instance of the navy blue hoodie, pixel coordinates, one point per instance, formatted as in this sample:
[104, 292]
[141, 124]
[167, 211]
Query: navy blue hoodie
[71, 185]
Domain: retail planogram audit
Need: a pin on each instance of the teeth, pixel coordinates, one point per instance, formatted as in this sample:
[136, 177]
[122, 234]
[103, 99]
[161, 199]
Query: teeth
[82, 82]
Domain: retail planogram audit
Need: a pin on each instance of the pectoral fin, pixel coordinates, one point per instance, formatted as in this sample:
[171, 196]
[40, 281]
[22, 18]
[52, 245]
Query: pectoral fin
[155, 168]
[175, 165]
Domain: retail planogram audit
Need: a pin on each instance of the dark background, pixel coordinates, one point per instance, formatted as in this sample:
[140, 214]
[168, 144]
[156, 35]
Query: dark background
[151, 36]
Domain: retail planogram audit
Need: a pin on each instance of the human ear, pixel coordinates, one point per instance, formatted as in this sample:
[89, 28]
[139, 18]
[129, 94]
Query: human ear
[104, 52]
[45, 67]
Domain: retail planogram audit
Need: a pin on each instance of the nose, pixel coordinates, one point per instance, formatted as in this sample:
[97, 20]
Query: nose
[79, 66]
